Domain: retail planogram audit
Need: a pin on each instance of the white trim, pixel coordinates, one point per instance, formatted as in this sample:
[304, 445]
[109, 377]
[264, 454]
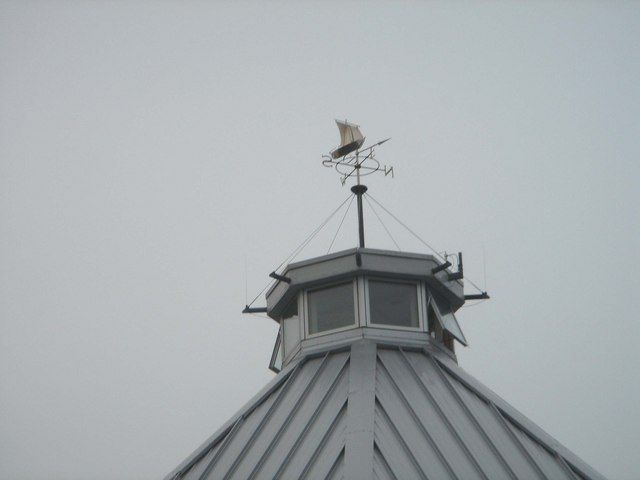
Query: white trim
[423, 305]
[362, 312]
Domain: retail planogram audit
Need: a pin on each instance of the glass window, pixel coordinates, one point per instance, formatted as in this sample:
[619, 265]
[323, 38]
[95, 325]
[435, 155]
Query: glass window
[447, 319]
[433, 324]
[392, 303]
[276, 357]
[291, 327]
[331, 308]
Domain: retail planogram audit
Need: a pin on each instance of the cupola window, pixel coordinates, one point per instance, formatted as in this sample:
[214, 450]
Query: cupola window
[276, 357]
[291, 327]
[446, 326]
[393, 303]
[331, 308]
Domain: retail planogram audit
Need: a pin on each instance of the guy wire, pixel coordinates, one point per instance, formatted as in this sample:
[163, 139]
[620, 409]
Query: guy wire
[341, 222]
[419, 239]
[302, 245]
[382, 223]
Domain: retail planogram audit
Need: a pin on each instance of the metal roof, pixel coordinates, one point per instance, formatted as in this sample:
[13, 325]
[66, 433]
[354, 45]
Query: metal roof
[370, 409]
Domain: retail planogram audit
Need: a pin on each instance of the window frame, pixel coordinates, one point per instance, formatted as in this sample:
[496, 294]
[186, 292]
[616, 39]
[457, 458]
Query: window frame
[434, 301]
[420, 299]
[278, 348]
[286, 352]
[356, 307]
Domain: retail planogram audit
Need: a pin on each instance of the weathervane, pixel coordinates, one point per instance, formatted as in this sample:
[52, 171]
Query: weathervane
[348, 159]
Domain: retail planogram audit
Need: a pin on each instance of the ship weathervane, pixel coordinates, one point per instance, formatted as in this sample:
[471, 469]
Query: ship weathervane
[349, 159]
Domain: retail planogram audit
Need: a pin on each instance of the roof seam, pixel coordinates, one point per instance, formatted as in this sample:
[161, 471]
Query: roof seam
[260, 426]
[565, 466]
[313, 418]
[444, 417]
[580, 474]
[406, 448]
[225, 443]
[383, 460]
[324, 440]
[335, 465]
[296, 407]
[544, 445]
[203, 453]
[254, 403]
[503, 414]
[473, 419]
[360, 411]
[265, 396]
[505, 424]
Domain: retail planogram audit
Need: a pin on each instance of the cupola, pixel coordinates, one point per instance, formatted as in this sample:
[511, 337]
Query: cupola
[364, 292]
[358, 293]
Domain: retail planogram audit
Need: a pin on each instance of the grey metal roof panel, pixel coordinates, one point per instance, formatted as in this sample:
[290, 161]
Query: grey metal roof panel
[221, 434]
[513, 416]
[393, 448]
[280, 446]
[198, 469]
[472, 440]
[381, 469]
[324, 428]
[497, 430]
[273, 422]
[318, 455]
[380, 411]
[551, 466]
[424, 431]
[337, 469]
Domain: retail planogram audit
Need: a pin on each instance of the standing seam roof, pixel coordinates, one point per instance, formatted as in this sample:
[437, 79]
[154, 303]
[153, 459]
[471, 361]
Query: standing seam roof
[376, 411]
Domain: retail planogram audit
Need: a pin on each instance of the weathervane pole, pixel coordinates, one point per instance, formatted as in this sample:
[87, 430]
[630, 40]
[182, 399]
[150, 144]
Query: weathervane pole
[359, 190]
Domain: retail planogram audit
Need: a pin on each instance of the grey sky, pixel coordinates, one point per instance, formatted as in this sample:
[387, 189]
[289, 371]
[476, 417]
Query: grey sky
[148, 150]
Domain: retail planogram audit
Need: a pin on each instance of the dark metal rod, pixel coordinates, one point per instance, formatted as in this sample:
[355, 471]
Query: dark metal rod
[360, 221]
[442, 267]
[460, 273]
[359, 191]
[249, 309]
[477, 296]
[455, 276]
[280, 277]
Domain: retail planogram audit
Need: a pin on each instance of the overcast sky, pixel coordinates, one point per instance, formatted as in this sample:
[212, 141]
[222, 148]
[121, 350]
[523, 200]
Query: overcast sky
[159, 159]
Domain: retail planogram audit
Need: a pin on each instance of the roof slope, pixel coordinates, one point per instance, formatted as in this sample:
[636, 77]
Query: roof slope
[374, 411]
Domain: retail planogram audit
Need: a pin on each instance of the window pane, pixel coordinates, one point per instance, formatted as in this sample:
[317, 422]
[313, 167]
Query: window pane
[276, 357]
[448, 319]
[393, 303]
[290, 327]
[331, 308]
